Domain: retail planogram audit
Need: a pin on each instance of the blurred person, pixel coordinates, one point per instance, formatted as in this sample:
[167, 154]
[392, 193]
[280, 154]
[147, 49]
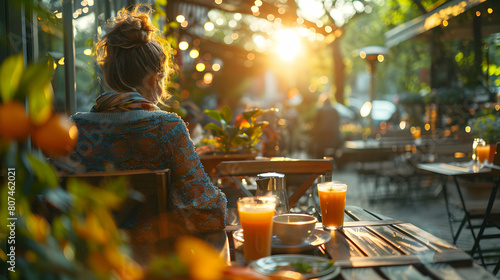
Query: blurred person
[126, 130]
[326, 137]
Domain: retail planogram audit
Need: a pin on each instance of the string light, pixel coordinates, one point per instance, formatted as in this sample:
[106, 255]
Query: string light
[200, 67]
[180, 18]
[207, 78]
[209, 26]
[183, 45]
[194, 53]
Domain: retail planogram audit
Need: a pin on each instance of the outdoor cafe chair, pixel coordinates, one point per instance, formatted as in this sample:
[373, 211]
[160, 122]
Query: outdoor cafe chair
[143, 182]
[309, 168]
[490, 218]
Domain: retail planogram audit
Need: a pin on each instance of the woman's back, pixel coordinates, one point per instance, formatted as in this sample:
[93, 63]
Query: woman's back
[126, 130]
[128, 140]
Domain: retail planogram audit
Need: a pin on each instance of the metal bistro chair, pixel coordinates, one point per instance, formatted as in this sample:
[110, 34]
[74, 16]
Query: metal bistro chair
[490, 218]
[310, 168]
[146, 182]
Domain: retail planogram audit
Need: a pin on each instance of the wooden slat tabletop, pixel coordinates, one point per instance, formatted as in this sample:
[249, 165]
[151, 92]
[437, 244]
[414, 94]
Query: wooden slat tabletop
[372, 246]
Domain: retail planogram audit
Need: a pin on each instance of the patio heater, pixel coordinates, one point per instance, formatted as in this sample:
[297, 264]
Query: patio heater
[373, 55]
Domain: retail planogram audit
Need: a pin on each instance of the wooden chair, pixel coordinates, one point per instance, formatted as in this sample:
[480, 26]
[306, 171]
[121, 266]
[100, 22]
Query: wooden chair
[146, 182]
[311, 168]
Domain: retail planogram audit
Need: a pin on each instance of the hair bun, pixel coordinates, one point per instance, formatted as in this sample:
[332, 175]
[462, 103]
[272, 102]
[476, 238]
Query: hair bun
[141, 29]
[130, 31]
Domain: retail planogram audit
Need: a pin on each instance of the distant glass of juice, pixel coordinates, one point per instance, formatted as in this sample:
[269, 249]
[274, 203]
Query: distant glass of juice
[332, 203]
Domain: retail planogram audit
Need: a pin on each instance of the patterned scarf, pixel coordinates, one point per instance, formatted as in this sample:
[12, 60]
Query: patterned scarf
[122, 102]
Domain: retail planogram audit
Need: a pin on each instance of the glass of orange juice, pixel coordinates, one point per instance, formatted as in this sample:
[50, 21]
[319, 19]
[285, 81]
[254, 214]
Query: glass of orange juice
[483, 152]
[332, 203]
[480, 151]
[256, 218]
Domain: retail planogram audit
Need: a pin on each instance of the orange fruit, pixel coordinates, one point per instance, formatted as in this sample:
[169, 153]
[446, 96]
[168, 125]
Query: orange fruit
[57, 136]
[202, 260]
[243, 273]
[14, 123]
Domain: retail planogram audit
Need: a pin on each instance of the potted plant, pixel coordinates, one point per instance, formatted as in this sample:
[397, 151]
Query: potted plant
[241, 135]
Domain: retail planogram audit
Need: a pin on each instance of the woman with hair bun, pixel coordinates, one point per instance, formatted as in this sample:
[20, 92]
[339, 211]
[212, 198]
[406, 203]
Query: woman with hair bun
[126, 130]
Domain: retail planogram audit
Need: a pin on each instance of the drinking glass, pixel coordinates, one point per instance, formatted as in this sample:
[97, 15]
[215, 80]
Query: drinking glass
[332, 203]
[483, 152]
[480, 151]
[256, 218]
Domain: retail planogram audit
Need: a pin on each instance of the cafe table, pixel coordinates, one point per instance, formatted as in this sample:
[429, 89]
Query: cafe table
[466, 170]
[372, 246]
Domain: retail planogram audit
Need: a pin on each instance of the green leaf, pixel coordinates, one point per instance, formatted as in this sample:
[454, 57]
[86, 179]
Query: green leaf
[160, 11]
[240, 140]
[35, 84]
[226, 113]
[40, 103]
[213, 114]
[231, 131]
[161, 2]
[173, 24]
[215, 128]
[45, 173]
[249, 115]
[11, 72]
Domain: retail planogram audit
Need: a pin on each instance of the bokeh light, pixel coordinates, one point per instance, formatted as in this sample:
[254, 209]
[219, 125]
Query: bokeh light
[200, 67]
[365, 109]
[289, 44]
[183, 45]
[209, 26]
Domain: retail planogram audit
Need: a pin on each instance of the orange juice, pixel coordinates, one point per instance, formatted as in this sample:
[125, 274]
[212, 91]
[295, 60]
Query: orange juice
[332, 203]
[483, 152]
[256, 221]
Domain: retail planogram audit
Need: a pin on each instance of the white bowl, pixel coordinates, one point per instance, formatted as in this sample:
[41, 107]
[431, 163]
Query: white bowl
[293, 228]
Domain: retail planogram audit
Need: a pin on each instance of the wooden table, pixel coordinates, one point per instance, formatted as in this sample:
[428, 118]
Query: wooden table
[386, 149]
[372, 246]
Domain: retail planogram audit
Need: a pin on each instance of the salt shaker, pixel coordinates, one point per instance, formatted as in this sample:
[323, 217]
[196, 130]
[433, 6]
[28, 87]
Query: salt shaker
[273, 184]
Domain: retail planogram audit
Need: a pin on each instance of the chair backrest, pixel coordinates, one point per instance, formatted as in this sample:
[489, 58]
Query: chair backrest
[310, 167]
[146, 182]
[496, 160]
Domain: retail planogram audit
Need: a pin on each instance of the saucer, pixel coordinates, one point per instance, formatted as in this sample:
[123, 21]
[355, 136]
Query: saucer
[316, 238]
